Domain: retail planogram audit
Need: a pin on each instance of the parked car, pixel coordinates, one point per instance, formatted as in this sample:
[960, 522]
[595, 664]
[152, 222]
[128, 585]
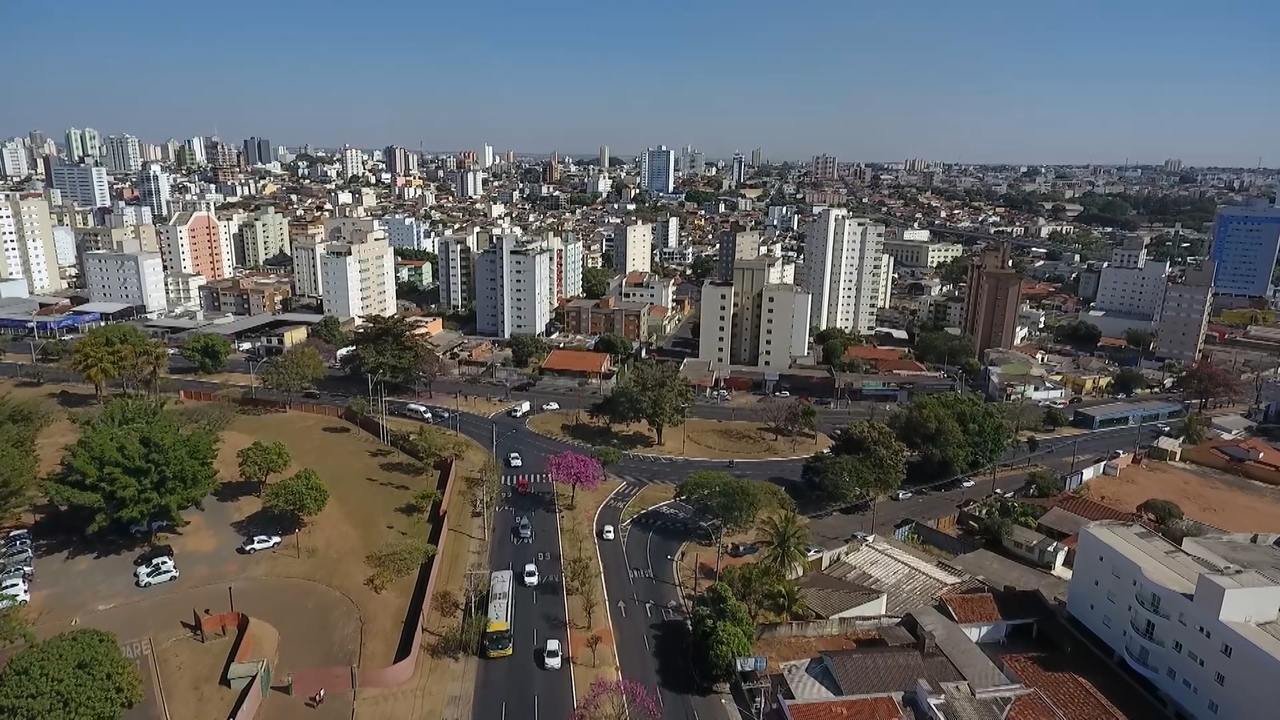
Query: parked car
[14, 594]
[606, 533]
[14, 536]
[17, 556]
[967, 483]
[259, 542]
[519, 409]
[18, 543]
[782, 394]
[25, 572]
[901, 494]
[14, 586]
[514, 460]
[553, 405]
[416, 411]
[742, 549]
[530, 575]
[524, 529]
[1075, 400]
[157, 576]
[156, 565]
[153, 552]
[551, 655]
[311, 394]
[153, 527]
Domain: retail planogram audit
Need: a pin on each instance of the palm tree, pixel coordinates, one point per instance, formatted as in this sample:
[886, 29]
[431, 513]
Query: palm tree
[788, 602]
[786, 538]
[153, 359]
[96, 362]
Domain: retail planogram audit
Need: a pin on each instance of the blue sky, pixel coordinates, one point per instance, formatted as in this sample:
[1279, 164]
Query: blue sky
[984, 81]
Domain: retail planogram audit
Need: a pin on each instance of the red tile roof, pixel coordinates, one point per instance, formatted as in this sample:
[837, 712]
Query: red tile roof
[900, 365]
[972, 608]
[880, 707]
[1070, 694]
[576, 361]
[871, 353]
[1031, 706]
[1092, 509]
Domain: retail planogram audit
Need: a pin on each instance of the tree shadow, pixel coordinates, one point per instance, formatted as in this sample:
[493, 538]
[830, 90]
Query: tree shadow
[233, 490]
[264, 522]
[388, 483]
[607, 435]
[671, 650]
[402, 467]
[73, 400]
[381, 452]
[58, 531]
[337, 429]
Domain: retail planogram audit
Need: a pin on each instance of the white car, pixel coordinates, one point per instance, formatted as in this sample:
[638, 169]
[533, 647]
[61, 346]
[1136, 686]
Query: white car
[967, 483]
[530, 575]
[553, 405]
[551, 656]
[514, 460]
[414, 410]
[606, 533]
[902, 495]
[156, 565]
[14, 586]
[8, 600]
[260, 542]
[157, 576]
[782, 394]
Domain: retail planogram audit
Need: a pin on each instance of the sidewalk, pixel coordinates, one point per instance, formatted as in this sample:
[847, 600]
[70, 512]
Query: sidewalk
[441, 687]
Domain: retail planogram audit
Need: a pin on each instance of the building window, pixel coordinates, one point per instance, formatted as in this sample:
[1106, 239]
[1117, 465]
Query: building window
[1106, 620]
[1192, 654]
[1213, 707]
[1173, 674]
[1226, 649]
[1220, 678]
[1177, 646]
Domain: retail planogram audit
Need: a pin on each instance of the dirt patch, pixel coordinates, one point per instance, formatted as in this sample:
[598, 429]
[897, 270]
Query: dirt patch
[191, 672]
[697, 437]
[1206, 495]
[62, 403]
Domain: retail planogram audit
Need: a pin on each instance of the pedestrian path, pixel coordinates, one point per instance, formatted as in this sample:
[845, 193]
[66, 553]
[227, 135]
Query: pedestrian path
[534, 478]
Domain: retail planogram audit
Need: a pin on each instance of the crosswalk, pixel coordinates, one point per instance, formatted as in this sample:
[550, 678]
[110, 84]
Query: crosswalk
[534, 478]
[512, 479]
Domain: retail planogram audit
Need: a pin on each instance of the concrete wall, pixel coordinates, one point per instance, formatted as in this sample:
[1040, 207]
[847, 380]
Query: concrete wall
[823, 628]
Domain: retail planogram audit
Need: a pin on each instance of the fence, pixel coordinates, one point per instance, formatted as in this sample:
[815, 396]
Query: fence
[824, 628]
[928, 535]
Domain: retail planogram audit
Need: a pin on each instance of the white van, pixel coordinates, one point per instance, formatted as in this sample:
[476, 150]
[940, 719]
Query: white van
[414, 410]
[520, 408]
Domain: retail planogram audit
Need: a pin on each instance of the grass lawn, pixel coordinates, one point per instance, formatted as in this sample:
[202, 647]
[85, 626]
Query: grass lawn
[698, 437]
[648, 496]
[577, 523]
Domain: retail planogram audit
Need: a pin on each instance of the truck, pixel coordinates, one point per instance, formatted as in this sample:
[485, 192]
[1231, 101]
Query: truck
[520, 409]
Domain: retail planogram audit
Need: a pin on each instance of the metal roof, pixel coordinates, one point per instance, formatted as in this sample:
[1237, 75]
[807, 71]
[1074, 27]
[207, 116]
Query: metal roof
[1124, 409]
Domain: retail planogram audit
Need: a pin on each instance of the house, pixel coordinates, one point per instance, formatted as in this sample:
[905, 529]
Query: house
[828, 596]
[866, 707]
[577, 364]
[276, 342]
[1034, 548]
[990, 616]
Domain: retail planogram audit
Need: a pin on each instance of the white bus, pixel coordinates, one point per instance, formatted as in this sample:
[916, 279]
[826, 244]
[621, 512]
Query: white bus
[498, 630]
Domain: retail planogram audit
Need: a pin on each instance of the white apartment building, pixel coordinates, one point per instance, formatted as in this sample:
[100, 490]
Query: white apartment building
[566, 254]
[913, 253]
[633, 248]
[153, 186]
[750, 277]
[736, 244]
[92, 143]
[182, 290]
[457, 271]
[264, 235]
[75, 144]
[846, 270]
[1184, 315]
[1132, 285]
[715, 314]
[666, 233]
[650, 288]
[515, 288]
[1200, 622]
[27, 248]
[406, 231]
[135, 278]
[13, 160]
[64, 245]
[308, 280]
[658, 170]
[195, 151]
[469, 184]
[352, 162]
[123, 154]
[84, 185]
[784, 326]
[359, 278]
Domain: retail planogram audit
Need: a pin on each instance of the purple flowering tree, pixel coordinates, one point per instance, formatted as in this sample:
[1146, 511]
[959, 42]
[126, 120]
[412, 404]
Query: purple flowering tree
[618, 700]
[575, 470]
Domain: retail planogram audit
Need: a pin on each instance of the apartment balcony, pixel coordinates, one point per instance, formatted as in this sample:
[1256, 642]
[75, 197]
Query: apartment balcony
[1142, 667]
[1144, 602]
[1149, 638]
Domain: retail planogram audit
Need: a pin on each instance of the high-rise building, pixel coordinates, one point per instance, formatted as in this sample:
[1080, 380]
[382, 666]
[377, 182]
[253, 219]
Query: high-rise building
[994, 293]
[307, 243]
[134, 278]
[27, 247]
[84, 185]
[412, 233]
[486, 156]
[697, 164]
[123, 154]
[153, 186]
[170, 154]
[824, 167]
[92, 143]
[196, 151]
[75, 145]
[359, 278]
[738, 170]
[264, 235]
[1184, 315]
[757, 158]
[13, 159]
[515, 288]
[749, 280]
[633, 251]
[784, 326]
[469, 184]
[658, 170]
[397, 160]
[666, 232]
[1246, 240]
[457, 271]
[1196, 620]
[352, 162]
[566, 252]
[736, 243]
[258, 151]
[193, 243]
[715, 314]
[846, 270]
[1133, 285]
[604, 158]
[552, 172]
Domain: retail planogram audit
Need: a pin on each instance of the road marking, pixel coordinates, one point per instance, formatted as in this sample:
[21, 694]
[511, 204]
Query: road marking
[535, 707]
[504, 711]
[647, 607]
[535, 638]
[646, 643]
[622, 608]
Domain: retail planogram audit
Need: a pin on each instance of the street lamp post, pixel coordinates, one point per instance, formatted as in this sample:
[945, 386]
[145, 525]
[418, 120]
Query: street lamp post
[253, 387]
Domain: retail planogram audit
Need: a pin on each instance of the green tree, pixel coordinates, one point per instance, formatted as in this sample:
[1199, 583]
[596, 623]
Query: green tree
[259, 461]
[14, 627]
[78, 674]
[1055, 418]
[1078, 333]
[385, 350]
[650, 391]
[616, 345]
[866, 461]
[955, 270]
[722, 630]
[952, 434]
[20, 423]
[752, 583]
[396, 559]
[1163, 512]
[1139, 339]
[298, 498]
[152, 360]
[702, 267]
[1195, 428]
[1128, 381]
[208, 352]
[786, 541]
[1205, 381]
[941, 347]
[134, 462]
[527, 348]
[731, 503]
[607, 456]
[595, 282]
[788, 603]
[295, 370]
[107, 353]
[330, 331]
[1045, 483]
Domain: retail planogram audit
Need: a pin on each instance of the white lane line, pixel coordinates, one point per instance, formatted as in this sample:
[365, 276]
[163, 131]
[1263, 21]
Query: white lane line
[646, 642]
[504, 710]
[535, 707]
[648, 608]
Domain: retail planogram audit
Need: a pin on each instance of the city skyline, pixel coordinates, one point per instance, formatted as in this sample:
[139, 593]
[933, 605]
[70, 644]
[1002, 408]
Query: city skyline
[999, 84]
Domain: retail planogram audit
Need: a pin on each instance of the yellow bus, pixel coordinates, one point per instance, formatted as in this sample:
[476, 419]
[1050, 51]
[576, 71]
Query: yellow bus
[497, 630]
